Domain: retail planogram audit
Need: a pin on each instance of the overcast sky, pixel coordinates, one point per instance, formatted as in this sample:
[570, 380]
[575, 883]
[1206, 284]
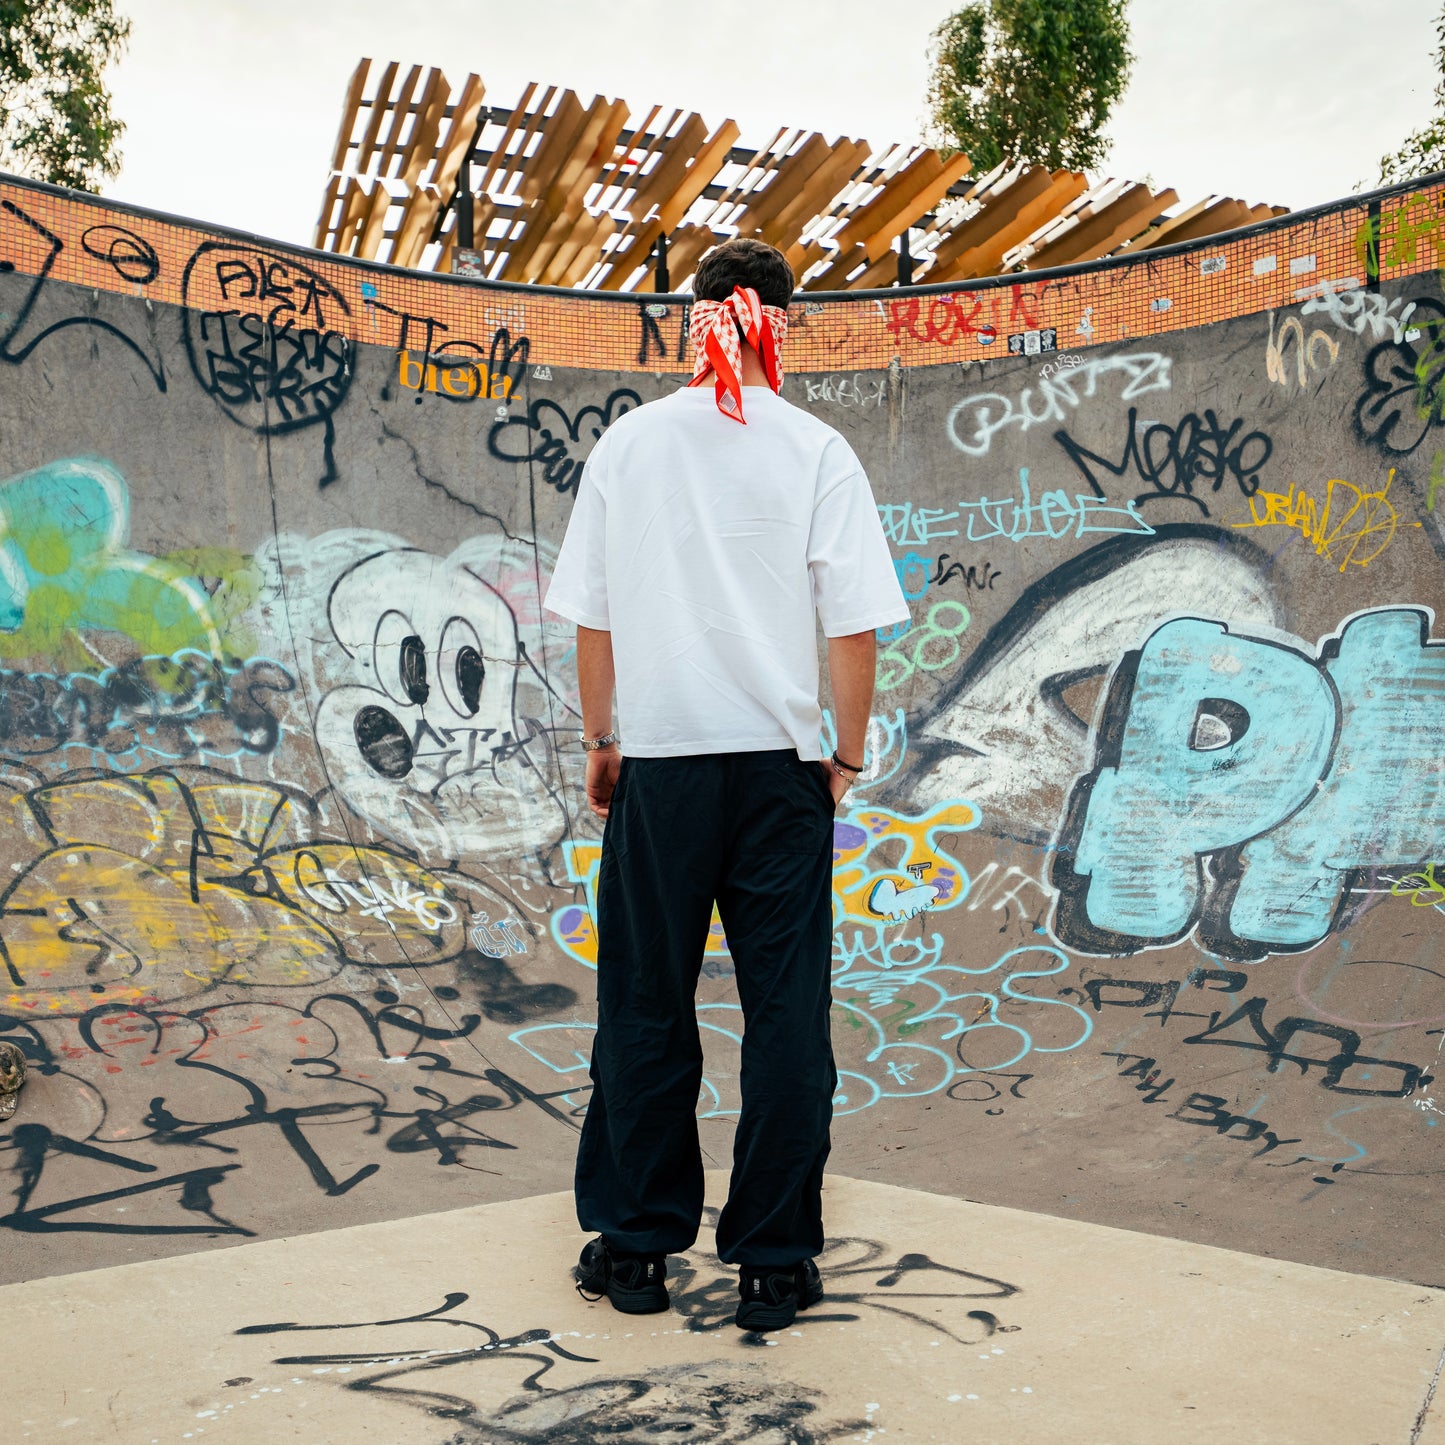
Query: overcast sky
[232, 105]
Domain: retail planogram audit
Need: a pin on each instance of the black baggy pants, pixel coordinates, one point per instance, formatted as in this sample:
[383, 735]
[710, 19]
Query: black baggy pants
[753, 831]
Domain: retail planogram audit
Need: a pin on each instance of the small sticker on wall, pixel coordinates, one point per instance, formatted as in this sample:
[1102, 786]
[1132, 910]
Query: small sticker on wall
[987, 335]
[1161, 303]
[368, 291]
[541, 373]
[1265, 264]
[1212, 265]
[1301, 265]
[656, 308]
[1031, 343]
[812, 308]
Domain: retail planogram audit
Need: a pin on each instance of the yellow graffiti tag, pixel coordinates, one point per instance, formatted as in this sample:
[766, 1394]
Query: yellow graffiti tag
[140, 888]
[1352, 527]
[880, 856]
[1422, 888]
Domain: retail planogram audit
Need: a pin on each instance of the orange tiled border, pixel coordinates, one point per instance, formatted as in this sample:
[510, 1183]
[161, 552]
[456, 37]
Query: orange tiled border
[89, 243]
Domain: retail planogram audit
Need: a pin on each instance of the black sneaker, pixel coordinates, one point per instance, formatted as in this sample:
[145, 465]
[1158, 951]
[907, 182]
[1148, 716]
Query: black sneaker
[632, 1282]
[771, 1297]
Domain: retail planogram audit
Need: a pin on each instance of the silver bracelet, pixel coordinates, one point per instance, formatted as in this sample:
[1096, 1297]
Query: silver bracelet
[590, 745]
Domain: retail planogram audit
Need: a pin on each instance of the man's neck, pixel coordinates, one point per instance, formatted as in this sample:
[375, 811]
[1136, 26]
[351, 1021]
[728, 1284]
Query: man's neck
[753, 373]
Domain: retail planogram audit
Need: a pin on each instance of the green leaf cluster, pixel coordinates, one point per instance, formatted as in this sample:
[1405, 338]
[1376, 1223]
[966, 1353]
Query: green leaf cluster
[56, 122]
[1030, 80]
[1424, 149]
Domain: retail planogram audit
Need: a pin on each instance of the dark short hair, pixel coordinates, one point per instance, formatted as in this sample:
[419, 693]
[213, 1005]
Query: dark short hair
[745, 262]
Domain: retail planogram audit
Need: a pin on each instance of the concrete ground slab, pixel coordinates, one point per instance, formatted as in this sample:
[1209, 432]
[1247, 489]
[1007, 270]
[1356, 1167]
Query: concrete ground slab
[944, 1321]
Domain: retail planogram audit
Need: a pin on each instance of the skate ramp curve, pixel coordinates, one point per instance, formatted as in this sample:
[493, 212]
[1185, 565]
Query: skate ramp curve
[1138, 918]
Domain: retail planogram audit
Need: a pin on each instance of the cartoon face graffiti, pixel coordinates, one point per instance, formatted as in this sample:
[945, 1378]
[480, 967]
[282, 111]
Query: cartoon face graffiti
[423, 741]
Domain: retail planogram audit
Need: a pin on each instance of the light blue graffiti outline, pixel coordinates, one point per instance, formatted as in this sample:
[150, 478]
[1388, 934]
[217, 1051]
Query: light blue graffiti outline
[715, 1110]
[897, 1061]
[884, 985]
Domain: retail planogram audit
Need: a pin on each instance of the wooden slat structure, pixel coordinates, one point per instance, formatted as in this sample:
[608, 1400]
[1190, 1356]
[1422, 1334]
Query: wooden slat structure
[560, 192]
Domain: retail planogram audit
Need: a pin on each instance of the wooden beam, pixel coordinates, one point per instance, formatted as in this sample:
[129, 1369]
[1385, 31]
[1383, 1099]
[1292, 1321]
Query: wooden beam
[766, 203]
[460, 137]
[388, 150]
[1000, 207]
[352, 204]
[702, 171]
[419, 220]
[354, 90]
[574, 260]
[676, 197]
[1202, 220]
[838, 168]
[616, 173]
[792, 187]
[379, 103]
[558, 175]
[354, 210]
[985, 257]
[904, 197]
[1163, 233]
[1131, 212]
[870, 231]
[559, 133]
[422, 202]
[562, 202]
[373, 220]
[796, 180]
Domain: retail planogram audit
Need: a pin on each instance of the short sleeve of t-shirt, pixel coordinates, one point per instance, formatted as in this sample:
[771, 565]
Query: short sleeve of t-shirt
[855, 586]
[579, 581]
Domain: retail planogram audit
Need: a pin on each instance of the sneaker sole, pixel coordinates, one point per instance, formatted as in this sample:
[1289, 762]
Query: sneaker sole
[775, 1317]
[647, 1301]
[765, 1317]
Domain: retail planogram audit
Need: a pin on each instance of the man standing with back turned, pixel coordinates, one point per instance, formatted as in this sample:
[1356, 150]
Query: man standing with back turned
[712, 530]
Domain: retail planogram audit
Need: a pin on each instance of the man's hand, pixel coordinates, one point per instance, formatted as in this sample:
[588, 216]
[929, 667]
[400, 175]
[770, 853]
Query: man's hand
[837, 784]
[603, 765]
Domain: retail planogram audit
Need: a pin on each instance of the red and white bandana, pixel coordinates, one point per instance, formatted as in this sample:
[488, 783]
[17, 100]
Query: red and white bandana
[713, 331]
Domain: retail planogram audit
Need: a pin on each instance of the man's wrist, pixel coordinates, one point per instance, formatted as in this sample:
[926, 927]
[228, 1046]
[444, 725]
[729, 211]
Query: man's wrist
[592, 743]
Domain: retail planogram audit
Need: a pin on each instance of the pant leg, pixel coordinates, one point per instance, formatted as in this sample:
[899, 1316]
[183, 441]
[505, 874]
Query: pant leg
[777, 910]
[639, 1180]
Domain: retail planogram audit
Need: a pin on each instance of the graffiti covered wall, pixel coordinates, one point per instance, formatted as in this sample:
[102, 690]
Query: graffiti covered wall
[1135, 905]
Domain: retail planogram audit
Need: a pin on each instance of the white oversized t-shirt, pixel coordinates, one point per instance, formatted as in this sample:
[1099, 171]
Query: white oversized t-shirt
[704, 547]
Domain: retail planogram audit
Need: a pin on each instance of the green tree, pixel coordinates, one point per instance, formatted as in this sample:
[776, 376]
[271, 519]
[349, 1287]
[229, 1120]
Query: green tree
[1423, 150]
[1030, 80]
[56, 122]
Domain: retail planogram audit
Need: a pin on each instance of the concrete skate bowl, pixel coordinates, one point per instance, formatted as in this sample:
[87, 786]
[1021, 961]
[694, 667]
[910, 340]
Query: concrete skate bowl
[1138, 917]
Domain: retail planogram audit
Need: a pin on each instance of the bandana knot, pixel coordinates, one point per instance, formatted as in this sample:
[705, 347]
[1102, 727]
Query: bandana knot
[713, 331]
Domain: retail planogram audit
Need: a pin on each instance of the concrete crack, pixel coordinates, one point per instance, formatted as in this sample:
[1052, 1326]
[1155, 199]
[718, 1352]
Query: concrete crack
[442, 487]
[1418, 1428]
